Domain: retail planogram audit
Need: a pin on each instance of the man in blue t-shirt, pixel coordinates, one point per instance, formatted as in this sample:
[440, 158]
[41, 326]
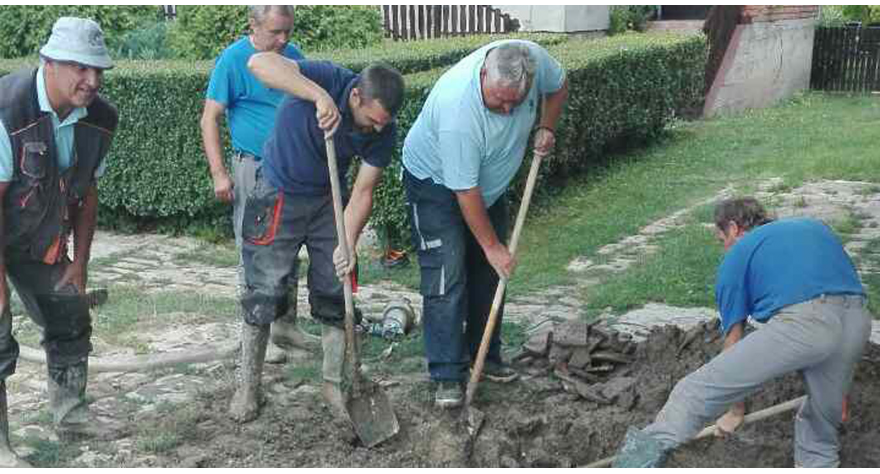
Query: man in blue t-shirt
[291, 204]
[794, 275]
[249, 108]
[459, 158]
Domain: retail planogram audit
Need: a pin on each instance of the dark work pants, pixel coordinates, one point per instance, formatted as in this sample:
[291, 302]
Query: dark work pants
[63, 315]
[457, 281]
[275, 226]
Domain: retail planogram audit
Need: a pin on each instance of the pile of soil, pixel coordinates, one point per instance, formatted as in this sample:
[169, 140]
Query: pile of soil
[535, 422]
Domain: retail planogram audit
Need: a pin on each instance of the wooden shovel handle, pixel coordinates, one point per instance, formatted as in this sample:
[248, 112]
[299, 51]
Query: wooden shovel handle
[502, 283]
[346, 282]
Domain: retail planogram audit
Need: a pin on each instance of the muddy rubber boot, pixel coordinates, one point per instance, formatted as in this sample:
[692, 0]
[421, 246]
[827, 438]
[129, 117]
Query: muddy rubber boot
[245, 405]
[286, 333]
[275, 354]
[8, 458]
[333, 342]
[70, 412]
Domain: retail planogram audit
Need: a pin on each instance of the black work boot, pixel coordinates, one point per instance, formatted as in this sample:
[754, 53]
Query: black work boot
[8, 458]
[245, 405]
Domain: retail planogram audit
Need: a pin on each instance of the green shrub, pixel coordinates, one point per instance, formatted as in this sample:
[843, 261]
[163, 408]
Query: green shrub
[630, 17]
[202, 32]
[25, 28]
[148, 42]
[424, 55]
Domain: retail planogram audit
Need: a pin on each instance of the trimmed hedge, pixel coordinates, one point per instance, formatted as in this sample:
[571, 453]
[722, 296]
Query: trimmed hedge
[157, 170]
[622, 89]
[426, 55]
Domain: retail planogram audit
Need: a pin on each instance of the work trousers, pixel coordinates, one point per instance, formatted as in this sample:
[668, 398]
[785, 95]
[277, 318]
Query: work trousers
[63, 315]
[822, 338]
[244, 172]
[457, 282]
[275, 226]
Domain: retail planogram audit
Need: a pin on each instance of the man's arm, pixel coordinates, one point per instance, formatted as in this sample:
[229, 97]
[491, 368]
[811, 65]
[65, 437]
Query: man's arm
[358, 211]
[554, 103]
[278, 72]
[4, 291]
[731, 420]
[210, 124]
[477, 218]
[84, 218]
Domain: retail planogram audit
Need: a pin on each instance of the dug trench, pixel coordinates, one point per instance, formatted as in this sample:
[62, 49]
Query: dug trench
[542, 420]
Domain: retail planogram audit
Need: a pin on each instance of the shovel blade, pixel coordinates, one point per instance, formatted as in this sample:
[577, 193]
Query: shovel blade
[372, 415]
[475, 419]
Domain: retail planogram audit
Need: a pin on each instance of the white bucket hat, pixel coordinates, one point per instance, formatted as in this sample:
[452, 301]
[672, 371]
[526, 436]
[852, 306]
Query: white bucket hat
[78, 40]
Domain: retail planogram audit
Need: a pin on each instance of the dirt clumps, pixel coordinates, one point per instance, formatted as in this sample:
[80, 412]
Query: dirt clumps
[543, 420]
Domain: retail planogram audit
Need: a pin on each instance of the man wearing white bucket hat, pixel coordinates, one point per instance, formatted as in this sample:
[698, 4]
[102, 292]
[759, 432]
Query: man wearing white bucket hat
[54, 133]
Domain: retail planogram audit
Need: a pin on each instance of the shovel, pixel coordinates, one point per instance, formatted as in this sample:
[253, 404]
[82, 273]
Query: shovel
[368, 408]
[473, 416]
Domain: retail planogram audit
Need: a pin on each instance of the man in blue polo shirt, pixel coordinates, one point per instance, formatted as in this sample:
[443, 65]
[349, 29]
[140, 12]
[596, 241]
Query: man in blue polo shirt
[794, 275]
[459, 158]
[291, 204]
[250, 108]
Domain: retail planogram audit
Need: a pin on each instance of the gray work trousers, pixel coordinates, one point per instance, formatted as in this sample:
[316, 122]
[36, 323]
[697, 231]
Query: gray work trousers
[822, 338]
[244, 175]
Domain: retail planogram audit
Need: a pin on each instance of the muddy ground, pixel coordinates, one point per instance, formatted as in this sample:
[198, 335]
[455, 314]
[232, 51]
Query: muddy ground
[531, 423]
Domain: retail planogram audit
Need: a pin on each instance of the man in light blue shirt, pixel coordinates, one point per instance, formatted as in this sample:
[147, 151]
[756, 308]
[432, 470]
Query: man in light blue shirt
[249, 108]
[459, 158]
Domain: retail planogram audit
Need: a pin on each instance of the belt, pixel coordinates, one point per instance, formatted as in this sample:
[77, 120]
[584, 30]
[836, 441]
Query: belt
[246, 154]
[846, 299]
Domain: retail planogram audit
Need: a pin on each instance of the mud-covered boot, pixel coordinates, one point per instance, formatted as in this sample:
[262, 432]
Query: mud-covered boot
[70, 412]
[245, 405]
[287, 334]
[8, 458]
[333, 342]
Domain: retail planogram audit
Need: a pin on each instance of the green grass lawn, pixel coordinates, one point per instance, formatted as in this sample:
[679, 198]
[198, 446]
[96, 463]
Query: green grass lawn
[813, 136]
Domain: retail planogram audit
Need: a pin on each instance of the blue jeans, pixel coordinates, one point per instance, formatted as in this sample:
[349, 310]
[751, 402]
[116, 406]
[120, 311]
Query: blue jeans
[457, 281]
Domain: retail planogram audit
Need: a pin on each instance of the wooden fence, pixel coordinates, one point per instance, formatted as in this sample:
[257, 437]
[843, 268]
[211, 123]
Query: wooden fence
[846, 59]
[412, 22]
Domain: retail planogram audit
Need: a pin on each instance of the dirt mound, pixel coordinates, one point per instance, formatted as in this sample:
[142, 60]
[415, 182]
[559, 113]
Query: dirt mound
[537, 422]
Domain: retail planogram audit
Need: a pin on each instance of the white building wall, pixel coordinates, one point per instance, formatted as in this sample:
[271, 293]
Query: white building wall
[560, 18]
[771, 62]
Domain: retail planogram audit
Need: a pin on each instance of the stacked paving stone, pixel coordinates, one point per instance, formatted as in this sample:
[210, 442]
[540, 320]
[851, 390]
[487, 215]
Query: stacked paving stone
[590, 359]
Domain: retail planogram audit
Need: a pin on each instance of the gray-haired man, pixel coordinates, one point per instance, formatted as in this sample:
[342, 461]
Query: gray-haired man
[249, 107]
[459, 157]
[54, 133]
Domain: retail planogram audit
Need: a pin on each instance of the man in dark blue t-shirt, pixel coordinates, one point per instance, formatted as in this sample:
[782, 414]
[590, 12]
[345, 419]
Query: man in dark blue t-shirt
[249, 108]
[291, 204]
[794, 275]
